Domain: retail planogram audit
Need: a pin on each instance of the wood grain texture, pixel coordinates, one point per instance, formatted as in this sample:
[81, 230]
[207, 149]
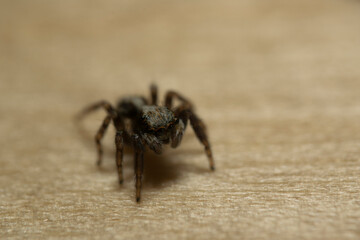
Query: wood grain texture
[277, 83]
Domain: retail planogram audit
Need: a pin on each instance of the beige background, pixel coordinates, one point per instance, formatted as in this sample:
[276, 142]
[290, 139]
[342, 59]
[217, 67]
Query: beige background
[277, 82]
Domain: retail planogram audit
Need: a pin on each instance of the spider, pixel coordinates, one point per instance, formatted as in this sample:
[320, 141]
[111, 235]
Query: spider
[140, 123]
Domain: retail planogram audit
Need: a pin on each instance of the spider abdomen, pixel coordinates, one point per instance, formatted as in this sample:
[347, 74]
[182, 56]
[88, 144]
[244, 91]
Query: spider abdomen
[131, 106]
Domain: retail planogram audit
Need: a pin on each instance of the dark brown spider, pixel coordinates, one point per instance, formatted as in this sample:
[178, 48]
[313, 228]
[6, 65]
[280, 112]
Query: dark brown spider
[140, 123]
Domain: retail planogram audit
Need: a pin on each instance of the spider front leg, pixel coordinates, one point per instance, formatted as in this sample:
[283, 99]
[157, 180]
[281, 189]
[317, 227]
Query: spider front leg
[200, 131]
[99, 136]
[119, 143]
[184, 113]
[139, 163]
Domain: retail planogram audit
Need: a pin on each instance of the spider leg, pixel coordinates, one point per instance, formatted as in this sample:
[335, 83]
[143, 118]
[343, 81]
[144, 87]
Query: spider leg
[139, 163]
[200, 131]
[101, 104]
[183, 113]
[119, 143]
[99, 136]
[154, 94]
[170, 95]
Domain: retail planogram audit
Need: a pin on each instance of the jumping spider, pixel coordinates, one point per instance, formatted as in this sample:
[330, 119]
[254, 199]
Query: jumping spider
[140, 123]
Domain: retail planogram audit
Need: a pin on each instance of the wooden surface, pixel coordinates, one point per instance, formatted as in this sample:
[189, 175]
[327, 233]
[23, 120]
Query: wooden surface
[277, 82]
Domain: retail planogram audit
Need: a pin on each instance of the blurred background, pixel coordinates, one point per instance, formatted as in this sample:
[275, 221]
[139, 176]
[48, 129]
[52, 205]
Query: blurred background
[277, 83]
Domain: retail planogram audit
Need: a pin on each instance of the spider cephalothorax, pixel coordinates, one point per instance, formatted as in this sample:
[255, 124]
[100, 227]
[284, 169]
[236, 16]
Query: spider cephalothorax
[141, 123]
[156, 118]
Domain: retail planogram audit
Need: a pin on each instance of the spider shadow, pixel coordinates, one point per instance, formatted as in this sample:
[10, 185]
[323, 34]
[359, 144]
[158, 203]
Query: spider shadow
[160, 169]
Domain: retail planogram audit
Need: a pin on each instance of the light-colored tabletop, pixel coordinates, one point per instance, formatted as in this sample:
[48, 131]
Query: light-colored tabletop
[276, 82]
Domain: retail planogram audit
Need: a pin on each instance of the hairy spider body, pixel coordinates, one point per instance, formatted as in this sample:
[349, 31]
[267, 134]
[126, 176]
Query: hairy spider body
[140, 123]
